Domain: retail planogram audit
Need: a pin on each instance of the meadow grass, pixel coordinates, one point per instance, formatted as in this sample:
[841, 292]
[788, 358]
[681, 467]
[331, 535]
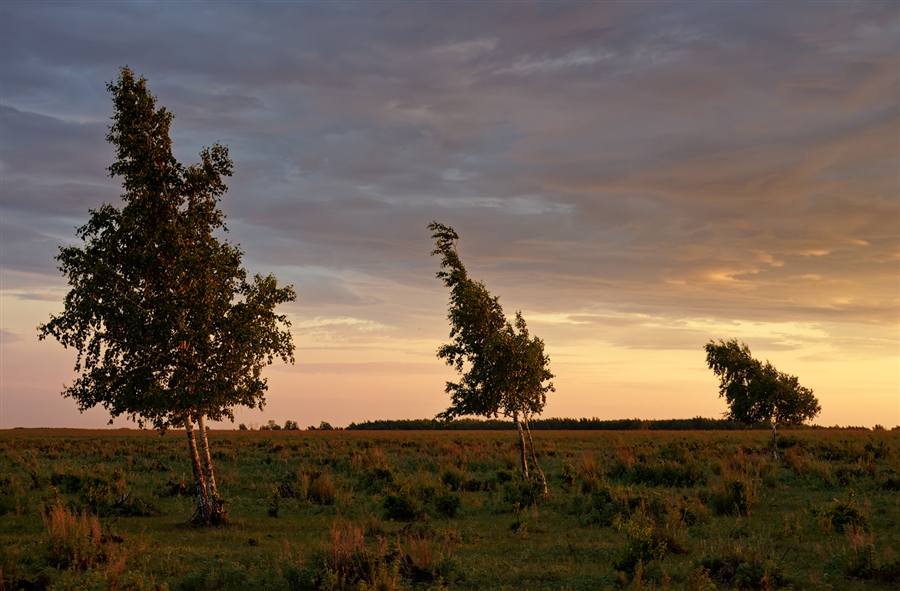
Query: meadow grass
[447, 510]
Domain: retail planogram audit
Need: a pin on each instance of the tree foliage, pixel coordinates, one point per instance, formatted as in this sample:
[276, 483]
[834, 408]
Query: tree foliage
[167, 326]
[757, 392]
[504, 371]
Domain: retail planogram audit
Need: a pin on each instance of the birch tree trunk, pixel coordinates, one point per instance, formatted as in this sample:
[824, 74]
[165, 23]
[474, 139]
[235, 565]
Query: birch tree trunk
[204, 507]
[522, 449]
[534, 456]
[211, 487]
[774, 441]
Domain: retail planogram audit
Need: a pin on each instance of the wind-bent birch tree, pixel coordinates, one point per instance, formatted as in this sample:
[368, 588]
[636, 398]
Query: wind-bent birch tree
[504, 370]
[169, 330]
[758, 392]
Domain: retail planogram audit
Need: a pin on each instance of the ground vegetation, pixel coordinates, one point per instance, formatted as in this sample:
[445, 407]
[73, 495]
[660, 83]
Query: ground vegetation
[437, 510]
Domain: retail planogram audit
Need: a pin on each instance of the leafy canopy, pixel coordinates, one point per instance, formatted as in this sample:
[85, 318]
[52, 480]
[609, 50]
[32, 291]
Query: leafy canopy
[504, 370]
[163, 316]
[756, 391]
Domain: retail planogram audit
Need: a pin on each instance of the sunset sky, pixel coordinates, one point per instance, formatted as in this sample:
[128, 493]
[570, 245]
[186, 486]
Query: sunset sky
[638, 178]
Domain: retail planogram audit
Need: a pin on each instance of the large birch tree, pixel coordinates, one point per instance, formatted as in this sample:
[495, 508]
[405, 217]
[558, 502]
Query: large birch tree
[504, 371]
[168, 328]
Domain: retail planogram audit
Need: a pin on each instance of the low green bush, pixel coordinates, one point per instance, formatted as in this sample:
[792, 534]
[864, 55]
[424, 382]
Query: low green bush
[841, 515]
[447, 503]
[736, 498]
[399, 507]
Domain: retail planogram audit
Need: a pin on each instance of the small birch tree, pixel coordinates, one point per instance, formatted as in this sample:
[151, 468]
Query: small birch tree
[504, 371]
[169, 330]
[757, 392]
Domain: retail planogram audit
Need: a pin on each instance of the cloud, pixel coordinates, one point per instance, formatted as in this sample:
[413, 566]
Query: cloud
[623, 168]
[7, 337]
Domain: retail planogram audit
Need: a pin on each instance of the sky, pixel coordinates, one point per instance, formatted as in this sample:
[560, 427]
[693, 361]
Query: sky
[637, 178]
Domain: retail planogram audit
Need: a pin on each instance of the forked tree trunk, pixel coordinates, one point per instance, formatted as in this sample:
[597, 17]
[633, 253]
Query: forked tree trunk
[204, 506]
[534, 456]
[522, 449]
[211, 487]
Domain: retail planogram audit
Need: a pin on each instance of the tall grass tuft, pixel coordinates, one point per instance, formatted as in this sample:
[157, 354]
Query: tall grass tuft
[75, 540]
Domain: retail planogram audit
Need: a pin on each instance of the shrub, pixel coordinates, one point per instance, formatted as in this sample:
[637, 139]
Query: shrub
[321, 490]
[220, 574]
[521, 494]
[890, 480]
[859, 562]
[848, 474]
[600, 507]
[447, 503]
[399, 507]
[568, 476]
[503, 476]
[376, 479]
[97, 489]
[643, 546]
[667, 473]
[737, 497]
[274, 502]
[478, 485]
[452, 479]
[842, 515]
[744, 570]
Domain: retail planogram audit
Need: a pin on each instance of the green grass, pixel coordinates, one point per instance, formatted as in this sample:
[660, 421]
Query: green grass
[639, 510]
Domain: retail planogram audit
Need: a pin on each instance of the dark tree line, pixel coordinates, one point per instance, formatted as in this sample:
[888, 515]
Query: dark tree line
[555, 424]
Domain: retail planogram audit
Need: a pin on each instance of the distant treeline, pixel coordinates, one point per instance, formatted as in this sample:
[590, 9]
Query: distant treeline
[555, 424]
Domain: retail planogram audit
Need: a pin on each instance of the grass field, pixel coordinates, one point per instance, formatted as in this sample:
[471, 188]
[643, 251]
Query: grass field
[446, 510]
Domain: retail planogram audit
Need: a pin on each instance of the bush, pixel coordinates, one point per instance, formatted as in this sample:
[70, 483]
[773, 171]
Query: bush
[376, 479]
[399, 507]
[568, 476]
[219, 574]
[447, 503]
[890, 480]
[744, 571]
[274, 502]
[97, 489]
[521, 494]
[736, 498]
[452, 479]
[599, 507]
[321, 490]
[667, 473]
[503, 476]
[842, 515]
[644, 544]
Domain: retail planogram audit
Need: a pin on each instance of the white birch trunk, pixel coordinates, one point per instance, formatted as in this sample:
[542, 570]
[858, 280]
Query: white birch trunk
[211, 487]
[774, 441]
[204, 507]
[534, 456]
[522, 449]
